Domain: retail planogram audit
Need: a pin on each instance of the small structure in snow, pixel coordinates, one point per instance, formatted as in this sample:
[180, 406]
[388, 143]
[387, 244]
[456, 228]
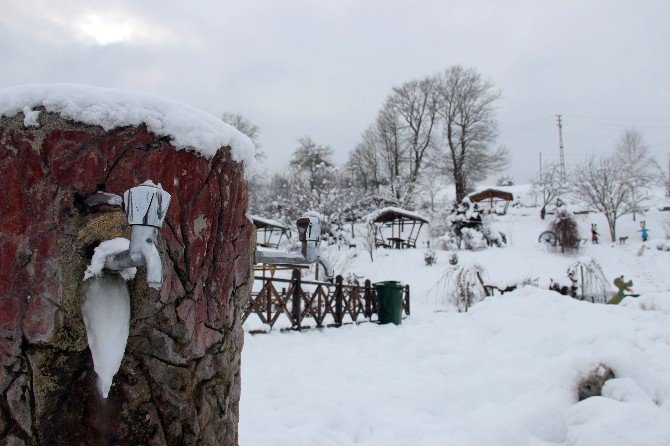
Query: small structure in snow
[496, 199]
[269, 233]
[404, 225]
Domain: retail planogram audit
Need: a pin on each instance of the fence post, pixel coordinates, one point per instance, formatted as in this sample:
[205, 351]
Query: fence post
[339, 298]
[268, 302]
[407, 302]
[367, 295]
[296, 299]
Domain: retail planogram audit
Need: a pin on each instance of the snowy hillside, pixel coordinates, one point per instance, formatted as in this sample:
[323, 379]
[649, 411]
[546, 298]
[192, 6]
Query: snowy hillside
[504, 373]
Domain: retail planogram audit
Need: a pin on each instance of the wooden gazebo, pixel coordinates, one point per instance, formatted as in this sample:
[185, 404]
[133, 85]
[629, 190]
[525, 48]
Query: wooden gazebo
[404, 225]
[494, 197]
[269, 232]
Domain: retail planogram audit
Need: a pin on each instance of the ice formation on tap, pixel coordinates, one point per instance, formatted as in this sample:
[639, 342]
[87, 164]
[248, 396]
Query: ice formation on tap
[106, 302]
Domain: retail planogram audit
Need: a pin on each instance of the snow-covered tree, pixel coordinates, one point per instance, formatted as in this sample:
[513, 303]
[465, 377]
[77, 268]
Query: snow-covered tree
[431, 181]
[364, 164]
[604, 185]
[467, 109]
[416, 104]
[505, 180]
[549, 184]
[639, 166]
[466, 229]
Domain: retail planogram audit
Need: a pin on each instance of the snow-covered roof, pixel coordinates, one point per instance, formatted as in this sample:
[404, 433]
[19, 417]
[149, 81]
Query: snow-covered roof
[190, 128]
[488, 193]
[392, 211]
[262, 222]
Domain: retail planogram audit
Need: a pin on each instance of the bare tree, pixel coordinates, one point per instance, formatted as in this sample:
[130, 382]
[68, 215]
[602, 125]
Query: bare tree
[639, 166]
[467, 109]
[368, 238]
[604, 185]
[549, 184]
[365, 163]
[415, 103]
[248, 128]
[388, 138]
[311, 160]
[431, 181]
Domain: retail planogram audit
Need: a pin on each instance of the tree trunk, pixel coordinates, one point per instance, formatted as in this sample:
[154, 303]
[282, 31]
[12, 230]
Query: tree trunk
[179, 382]
[460, 190]
[612, 227]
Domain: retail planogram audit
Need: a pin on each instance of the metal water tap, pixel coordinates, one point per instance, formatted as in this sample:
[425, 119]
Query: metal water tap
[309, 233]
[146, 206]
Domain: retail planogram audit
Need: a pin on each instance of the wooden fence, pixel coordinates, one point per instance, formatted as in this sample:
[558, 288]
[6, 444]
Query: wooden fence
[301, 304]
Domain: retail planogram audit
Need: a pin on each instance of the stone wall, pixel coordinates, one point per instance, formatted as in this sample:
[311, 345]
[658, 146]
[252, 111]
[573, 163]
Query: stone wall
[179, 382]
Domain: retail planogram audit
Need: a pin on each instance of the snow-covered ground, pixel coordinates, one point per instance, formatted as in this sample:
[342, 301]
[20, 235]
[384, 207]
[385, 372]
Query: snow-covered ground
[504, 373]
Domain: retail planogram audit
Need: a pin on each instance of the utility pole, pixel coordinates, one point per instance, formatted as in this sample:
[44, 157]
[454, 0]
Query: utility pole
[560, 145]
[540, 161]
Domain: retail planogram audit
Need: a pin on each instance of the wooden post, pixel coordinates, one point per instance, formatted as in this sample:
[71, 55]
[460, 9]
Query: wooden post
[339, 298]
[407, 294]
[581, 270]
[367, 295]
[268, 301]
[296, 299]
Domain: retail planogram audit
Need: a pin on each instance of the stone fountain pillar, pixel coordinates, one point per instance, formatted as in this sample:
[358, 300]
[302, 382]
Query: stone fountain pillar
[179, 381]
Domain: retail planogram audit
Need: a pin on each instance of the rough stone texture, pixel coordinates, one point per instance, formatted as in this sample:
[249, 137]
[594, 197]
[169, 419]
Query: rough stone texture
[592, 384]
[179, 382]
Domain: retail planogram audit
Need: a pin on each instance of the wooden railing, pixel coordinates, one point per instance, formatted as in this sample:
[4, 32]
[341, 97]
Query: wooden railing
[301, 304]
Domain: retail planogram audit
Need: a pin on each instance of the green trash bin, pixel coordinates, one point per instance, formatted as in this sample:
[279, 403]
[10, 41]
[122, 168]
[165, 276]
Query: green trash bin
[389, 301]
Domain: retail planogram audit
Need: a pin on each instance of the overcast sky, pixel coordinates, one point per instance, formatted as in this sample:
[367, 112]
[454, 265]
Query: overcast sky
[323, 68]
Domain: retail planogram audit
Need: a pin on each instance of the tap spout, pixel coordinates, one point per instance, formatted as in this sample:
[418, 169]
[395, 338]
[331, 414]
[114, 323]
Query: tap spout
[146, 206]
[309, 231]
[327, 266]
[142, 252]
[271, 257]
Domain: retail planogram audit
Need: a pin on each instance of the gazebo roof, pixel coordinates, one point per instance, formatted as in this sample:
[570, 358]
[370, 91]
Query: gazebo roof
[262, 223]
[487, 194]
[391, 213]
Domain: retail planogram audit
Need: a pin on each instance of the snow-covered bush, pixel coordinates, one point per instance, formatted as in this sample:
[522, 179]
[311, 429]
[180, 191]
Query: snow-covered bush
[589, 281]
[341, 258]
[430, 257]
[460, 287]
[472, 239]
[566, 230]
[505, 180]
[466, 229]
[663, 246]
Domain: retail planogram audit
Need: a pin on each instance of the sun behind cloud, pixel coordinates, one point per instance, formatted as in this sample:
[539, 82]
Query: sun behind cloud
[105, 30]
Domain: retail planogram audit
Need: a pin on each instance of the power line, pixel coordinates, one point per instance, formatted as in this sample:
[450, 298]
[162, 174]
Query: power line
[525, 124]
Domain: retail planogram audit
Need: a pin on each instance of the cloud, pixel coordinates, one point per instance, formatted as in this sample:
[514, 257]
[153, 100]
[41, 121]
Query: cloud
[298, 67]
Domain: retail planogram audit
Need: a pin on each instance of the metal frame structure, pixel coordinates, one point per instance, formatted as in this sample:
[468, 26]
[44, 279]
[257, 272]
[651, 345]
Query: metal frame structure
[493, 196]
[268, 230]
[397, 219]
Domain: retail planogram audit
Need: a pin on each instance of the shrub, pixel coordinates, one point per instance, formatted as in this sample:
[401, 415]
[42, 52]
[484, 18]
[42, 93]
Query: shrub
[566, 230]
[589, 280]
[430, 257]
[461, 287]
